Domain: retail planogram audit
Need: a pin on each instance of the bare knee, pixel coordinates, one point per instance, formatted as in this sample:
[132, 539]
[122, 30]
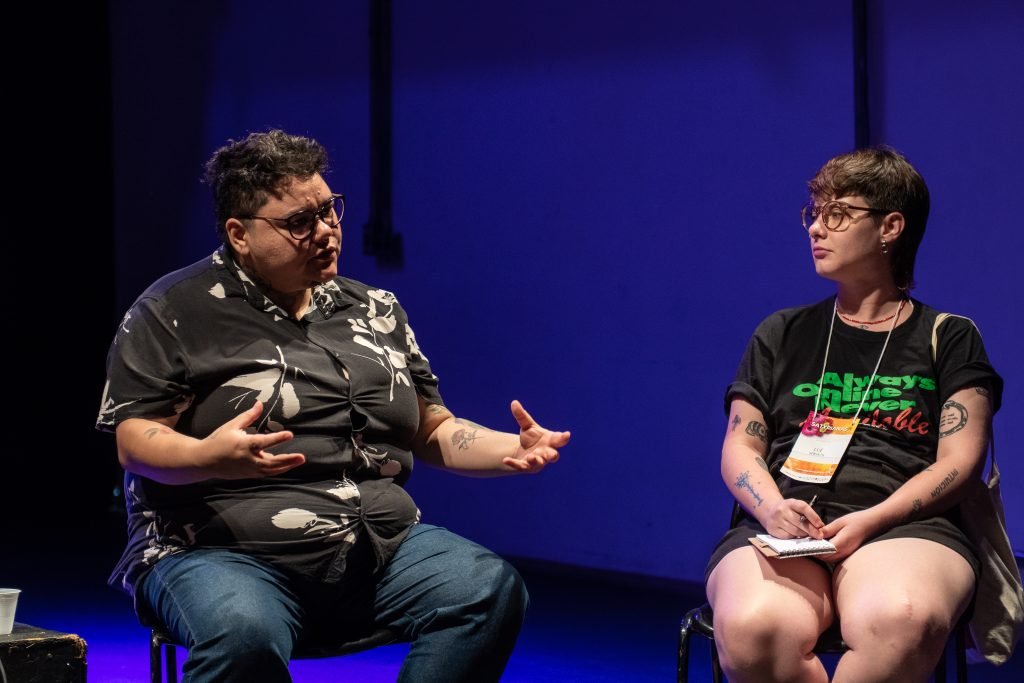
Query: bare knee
[900, 627]
[754, 637]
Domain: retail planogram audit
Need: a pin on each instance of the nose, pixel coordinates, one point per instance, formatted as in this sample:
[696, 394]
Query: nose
[323, 231]
[816, 230]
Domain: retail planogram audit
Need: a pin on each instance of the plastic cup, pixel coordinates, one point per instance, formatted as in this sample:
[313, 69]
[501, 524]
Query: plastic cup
[8, 604]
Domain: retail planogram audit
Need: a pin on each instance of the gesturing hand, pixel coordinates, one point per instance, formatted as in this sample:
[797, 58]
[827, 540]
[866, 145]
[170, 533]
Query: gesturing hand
[538, 447]
[237, 454]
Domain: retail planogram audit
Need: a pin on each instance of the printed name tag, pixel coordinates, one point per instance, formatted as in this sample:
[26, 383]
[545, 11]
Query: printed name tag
[819, 448]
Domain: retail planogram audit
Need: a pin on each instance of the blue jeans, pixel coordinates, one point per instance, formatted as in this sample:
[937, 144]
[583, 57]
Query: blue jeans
[458, 604]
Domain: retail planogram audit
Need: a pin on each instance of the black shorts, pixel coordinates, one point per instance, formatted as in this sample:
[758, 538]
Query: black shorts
[940, 529]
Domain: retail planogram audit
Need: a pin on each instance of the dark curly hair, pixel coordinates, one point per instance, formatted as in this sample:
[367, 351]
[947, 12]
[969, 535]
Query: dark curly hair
[243, 174]
[887, 181]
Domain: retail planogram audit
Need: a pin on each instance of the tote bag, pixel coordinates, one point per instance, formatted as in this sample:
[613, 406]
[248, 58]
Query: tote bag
[998, 617]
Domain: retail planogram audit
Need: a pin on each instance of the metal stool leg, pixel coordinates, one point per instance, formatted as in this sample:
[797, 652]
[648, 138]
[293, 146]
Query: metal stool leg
[170, 659]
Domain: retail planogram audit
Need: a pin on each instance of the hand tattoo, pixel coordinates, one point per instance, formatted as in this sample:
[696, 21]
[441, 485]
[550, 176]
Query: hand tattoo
[757, 429]
[952, 419]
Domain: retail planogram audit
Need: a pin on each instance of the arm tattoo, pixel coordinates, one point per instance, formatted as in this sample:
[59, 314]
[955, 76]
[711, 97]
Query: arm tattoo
[944, 484]
[470, 423]
[763, 464]
[153, 431]
[743, 482]
[757, 429]
[952, 419]
[735, 423]
[983, 391]
[915, 508]
[464, 437]
[436, 409]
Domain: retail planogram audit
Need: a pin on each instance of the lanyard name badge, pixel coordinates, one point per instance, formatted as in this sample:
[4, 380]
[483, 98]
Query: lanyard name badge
[823, 439]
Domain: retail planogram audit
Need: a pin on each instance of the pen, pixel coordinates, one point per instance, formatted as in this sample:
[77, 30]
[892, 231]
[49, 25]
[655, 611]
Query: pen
[813, 498]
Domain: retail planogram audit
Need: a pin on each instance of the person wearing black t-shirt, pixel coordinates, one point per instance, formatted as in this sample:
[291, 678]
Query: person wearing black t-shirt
[885, 496]
[266, 412]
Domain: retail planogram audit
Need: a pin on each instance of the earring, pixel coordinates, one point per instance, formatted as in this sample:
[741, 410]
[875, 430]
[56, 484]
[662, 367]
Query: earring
[885, 247]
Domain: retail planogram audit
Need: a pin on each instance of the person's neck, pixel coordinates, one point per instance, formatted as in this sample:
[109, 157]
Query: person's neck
[292, 303]
[860, 304]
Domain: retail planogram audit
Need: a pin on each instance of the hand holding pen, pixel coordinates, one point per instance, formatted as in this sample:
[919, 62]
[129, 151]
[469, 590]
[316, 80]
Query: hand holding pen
[810, 520]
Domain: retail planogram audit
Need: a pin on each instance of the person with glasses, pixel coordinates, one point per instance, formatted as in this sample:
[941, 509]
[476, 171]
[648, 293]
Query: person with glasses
[266, 411]
[842, 425]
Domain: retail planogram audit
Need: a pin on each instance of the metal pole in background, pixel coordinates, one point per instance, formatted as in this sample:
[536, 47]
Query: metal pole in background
[379, 238]
[861, 114]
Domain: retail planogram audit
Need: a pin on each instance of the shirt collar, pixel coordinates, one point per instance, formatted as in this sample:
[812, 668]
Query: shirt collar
[328, 298]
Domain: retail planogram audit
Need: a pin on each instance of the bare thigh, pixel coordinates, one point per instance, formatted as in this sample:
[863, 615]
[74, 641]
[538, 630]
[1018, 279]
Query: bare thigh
[748, 588]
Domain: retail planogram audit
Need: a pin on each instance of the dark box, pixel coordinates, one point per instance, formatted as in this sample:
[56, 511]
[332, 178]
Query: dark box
[35, 655]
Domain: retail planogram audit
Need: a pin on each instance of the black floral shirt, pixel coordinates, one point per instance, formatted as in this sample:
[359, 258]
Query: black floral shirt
[205, 344]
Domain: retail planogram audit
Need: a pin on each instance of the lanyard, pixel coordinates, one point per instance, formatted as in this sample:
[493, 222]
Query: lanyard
[828, 345]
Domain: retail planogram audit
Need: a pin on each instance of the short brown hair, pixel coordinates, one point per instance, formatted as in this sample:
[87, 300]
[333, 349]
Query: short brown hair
[887, 181]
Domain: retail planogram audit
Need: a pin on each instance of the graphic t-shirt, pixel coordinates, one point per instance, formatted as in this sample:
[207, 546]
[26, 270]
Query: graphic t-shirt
[898, 433]
[205, 344]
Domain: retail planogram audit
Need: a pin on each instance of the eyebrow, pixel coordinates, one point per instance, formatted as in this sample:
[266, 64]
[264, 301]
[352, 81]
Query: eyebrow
[293, 214]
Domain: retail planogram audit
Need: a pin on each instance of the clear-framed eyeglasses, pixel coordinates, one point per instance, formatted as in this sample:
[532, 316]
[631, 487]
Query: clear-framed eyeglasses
[301, 224]
[835, 215]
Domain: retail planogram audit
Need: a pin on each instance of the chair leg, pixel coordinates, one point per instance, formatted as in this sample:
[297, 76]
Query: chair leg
[155, 656]
[686, 628]
[170, 658]
[162, 655]
[683, 656]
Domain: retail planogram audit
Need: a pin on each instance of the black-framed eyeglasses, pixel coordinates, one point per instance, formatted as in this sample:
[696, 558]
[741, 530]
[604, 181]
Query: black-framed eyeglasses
[302, 224]
[833, 214]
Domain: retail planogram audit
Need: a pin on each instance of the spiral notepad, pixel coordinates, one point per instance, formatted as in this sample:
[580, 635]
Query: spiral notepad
[791, 547]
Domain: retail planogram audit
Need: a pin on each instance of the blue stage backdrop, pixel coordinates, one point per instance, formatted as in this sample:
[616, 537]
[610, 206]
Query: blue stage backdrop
[598, 201]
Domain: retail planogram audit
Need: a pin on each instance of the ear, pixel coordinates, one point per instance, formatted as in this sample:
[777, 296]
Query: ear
[238, 236]
[892, 226]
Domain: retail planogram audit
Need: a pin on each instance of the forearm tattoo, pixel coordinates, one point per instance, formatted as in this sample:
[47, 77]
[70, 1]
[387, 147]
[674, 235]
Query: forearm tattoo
[464, 437]
[757, 429]
[983, 391]
[952, 419]
[915, 508]
[436, 409]
[743, 482]
[945, 483]
[763, 464]
[735, 423]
